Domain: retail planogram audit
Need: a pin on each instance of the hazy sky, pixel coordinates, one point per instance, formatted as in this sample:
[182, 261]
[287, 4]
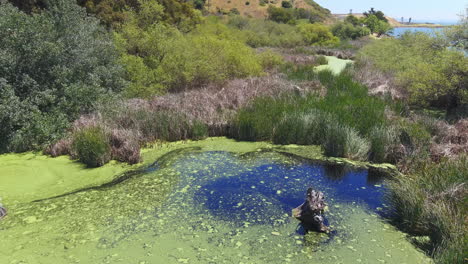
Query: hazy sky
[430, 10]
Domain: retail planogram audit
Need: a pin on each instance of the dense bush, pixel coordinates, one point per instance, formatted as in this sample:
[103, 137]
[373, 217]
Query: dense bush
[158, 58]
[48, 75]
[349, 31]
[91, 146]
[280, 15]
[287, 14]
[458, 35]
[377, 25]
[286, 4]
[29, 6]
[264, 33]
[270, 60]
[432, 74]
[317, 34]
[114, 13]
[432, 202]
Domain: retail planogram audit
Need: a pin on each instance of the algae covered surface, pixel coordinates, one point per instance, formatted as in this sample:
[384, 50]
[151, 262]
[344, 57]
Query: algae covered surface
[31, 176]
[336, 65]
[215, 201]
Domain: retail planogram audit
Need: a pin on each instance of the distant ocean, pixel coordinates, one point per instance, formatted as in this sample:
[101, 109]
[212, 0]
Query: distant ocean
[400, 31]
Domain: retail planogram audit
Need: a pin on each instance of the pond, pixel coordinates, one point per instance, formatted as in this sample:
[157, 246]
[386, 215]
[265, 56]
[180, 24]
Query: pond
[194, 206]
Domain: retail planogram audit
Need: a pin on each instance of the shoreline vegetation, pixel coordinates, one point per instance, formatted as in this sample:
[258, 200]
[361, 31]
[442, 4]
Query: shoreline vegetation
[395, 23]
[418, 25]
[143, 74]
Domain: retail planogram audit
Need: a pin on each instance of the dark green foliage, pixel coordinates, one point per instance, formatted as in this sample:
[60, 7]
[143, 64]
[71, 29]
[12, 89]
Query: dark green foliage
[29, 6]
[352, 20]
[321, 60]
[290, 15]
[91, 146]
[48, 75]
[286, 4]
[377, 25]
[279, 15]
[199, 4]
[114, 13]
[349, 31]
[379, 14]
[234, 11]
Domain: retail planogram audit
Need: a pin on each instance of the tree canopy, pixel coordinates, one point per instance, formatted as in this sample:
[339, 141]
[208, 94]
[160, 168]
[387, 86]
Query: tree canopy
[54, 66]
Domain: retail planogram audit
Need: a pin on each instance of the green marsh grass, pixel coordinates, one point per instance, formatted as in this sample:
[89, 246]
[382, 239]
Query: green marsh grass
[91, 146]
[340, 121]
[432, 202]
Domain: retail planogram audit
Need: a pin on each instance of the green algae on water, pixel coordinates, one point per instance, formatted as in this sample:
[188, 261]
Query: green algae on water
[204, 205]
[335, 64]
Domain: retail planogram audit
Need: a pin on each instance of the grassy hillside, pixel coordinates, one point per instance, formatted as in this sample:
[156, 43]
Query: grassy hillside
[258, 8]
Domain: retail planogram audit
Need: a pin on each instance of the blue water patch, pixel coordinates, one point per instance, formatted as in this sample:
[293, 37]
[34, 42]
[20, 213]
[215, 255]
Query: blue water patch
[265, 189]
[397, 32]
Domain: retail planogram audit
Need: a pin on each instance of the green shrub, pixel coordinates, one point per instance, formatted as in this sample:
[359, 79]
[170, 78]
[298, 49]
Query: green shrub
[270, 60]
[349, 31]
[50, 76]
[91, 146]
[158, 58]
[279, 14]
[264, 33]
[431, 74]
[377, 25]
[321, 60]
[286, 4]
[317, 34]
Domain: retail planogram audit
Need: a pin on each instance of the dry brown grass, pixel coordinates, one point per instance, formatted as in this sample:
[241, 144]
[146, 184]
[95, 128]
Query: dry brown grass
[130, 124]
[253, 9]
[215, 105]
[450, 140]
[378, 82]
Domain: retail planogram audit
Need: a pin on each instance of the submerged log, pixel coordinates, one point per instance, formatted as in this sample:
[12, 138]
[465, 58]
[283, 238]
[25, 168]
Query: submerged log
[310, 213]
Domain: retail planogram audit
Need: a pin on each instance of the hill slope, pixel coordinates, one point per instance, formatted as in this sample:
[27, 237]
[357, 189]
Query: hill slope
[258, 8]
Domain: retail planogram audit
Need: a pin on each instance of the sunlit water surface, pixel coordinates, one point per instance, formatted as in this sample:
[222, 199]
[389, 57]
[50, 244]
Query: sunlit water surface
[210, 207]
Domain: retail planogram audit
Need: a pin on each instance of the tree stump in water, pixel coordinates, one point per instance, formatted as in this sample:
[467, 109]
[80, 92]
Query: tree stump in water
[3, 211]
[310, 212]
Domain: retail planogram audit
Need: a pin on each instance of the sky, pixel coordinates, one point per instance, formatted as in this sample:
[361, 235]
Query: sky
[418, 10]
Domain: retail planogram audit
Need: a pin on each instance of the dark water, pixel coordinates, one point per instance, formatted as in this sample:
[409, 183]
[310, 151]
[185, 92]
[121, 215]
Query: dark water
[247, 196]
